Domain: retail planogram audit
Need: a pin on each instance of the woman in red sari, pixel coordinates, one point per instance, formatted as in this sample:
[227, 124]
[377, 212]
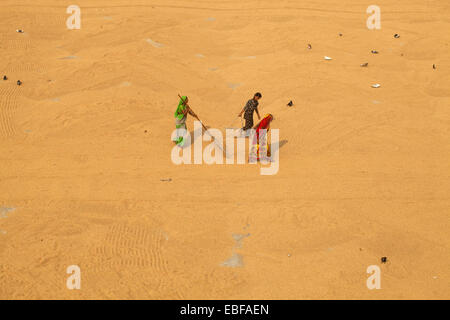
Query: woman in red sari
[260, 149]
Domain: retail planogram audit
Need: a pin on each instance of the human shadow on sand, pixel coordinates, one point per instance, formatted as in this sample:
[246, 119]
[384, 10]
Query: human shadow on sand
[276, 146]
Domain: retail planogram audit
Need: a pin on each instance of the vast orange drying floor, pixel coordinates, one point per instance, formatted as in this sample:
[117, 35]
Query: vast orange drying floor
[85, 148]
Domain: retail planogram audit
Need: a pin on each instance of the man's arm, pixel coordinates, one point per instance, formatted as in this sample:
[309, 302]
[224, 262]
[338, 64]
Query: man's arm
[259, 118]
[243, 110]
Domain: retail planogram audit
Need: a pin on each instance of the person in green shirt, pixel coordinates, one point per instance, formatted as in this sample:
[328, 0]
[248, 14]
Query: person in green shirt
[181, 113]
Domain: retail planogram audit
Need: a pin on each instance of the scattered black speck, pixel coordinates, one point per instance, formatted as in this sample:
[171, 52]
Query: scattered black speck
[19, 82]
[290, 104]
[434, 66]
[396, 36]
[5, 78]
[383, 259]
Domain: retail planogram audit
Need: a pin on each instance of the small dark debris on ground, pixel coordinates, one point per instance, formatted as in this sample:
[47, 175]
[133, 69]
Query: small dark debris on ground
[396, 36]
[434, 66]
[383, 259]
[19, 83]
[166, 180]
[5, 78]
[290, 104]
[374, 51]
[364, 64]
[309, 46]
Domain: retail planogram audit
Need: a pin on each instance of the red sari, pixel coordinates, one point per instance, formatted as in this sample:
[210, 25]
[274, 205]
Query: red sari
[260, 149]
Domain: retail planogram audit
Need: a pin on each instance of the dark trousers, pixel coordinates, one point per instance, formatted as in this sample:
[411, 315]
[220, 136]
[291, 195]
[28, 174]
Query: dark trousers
[248, 123]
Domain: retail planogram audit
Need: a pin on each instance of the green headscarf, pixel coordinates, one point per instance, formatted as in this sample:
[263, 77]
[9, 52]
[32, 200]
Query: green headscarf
[181, 107]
